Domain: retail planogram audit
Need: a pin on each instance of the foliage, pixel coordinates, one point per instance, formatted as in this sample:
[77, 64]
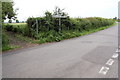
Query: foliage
[72, 27]
[10, 21]
[115, 18]
[49, 29]
[17, 21]
[23, 38]
[118, 20]
[20, 28]
[59, 11]
[5, 42]
[49, 23]
[52, 36]
[7, 10]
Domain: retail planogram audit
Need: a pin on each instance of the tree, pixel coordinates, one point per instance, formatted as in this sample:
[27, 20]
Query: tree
[49, 20]
[8, 11]
[60, 15]
[10, 21]
[59, 12]
[17, 21]
[115, 18]
[23, 21]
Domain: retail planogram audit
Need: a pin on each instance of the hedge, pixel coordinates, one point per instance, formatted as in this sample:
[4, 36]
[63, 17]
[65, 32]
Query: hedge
[67, 24]
[51, 25]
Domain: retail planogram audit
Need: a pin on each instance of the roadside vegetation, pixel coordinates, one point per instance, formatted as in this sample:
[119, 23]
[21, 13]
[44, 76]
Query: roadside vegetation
[118, 20]
[7, 7]
[5, 43]
[50, 29]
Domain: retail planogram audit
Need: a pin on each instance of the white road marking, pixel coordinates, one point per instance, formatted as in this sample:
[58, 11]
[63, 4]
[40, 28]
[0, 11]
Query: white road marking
[110, 62]
[104, 70]
[115, 55]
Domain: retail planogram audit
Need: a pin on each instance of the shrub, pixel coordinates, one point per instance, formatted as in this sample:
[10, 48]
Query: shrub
[21, 29]
[5, 40]
[48, 27]
[8, 27]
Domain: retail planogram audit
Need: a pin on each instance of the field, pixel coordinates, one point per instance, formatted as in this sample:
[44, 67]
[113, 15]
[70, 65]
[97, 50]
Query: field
[15, 23]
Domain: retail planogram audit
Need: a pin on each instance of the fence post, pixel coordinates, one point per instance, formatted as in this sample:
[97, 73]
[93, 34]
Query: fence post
[59, 25]
[36, 26]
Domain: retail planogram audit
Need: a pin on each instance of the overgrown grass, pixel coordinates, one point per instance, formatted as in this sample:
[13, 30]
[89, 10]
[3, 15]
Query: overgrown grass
[70, 28]
[5, 43]
[24, 38]
[50, 36]
[118, 20]
[16, 24]
[9, 47]
[53, 37]
[20, 28]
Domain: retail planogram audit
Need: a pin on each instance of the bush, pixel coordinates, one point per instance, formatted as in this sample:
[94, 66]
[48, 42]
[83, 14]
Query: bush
[5, 40]
[21, 29]
[8, 27]
[48, 27]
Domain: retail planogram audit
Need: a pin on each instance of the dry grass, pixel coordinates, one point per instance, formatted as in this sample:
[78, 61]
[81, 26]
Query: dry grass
[17, 23]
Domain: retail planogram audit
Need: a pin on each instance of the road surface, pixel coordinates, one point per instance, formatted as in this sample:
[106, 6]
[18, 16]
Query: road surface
[89, 56]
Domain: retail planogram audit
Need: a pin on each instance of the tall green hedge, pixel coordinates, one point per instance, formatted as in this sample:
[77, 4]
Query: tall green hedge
[79, 24]
[48, 23]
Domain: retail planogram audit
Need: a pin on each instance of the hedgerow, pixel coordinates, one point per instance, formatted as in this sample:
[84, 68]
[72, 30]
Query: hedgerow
[78, 24]
[49, 29]
[21, 29]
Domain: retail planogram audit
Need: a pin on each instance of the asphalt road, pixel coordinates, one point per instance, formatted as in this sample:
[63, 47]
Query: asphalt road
[89, 56]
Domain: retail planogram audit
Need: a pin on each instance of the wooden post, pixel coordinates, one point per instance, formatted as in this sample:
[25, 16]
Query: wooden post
[59, 24]
[36, 26]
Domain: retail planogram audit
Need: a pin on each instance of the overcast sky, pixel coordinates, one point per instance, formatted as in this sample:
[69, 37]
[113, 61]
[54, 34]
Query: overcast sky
[75, 8]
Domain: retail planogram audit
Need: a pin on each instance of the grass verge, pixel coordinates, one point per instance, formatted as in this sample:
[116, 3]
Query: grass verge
[24, 38]
[9, 47]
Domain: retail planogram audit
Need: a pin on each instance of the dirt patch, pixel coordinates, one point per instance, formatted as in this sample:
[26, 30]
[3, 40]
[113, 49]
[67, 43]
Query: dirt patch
[14, 41]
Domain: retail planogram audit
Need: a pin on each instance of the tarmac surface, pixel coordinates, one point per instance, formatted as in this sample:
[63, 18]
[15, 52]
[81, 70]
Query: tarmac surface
[89, 56]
